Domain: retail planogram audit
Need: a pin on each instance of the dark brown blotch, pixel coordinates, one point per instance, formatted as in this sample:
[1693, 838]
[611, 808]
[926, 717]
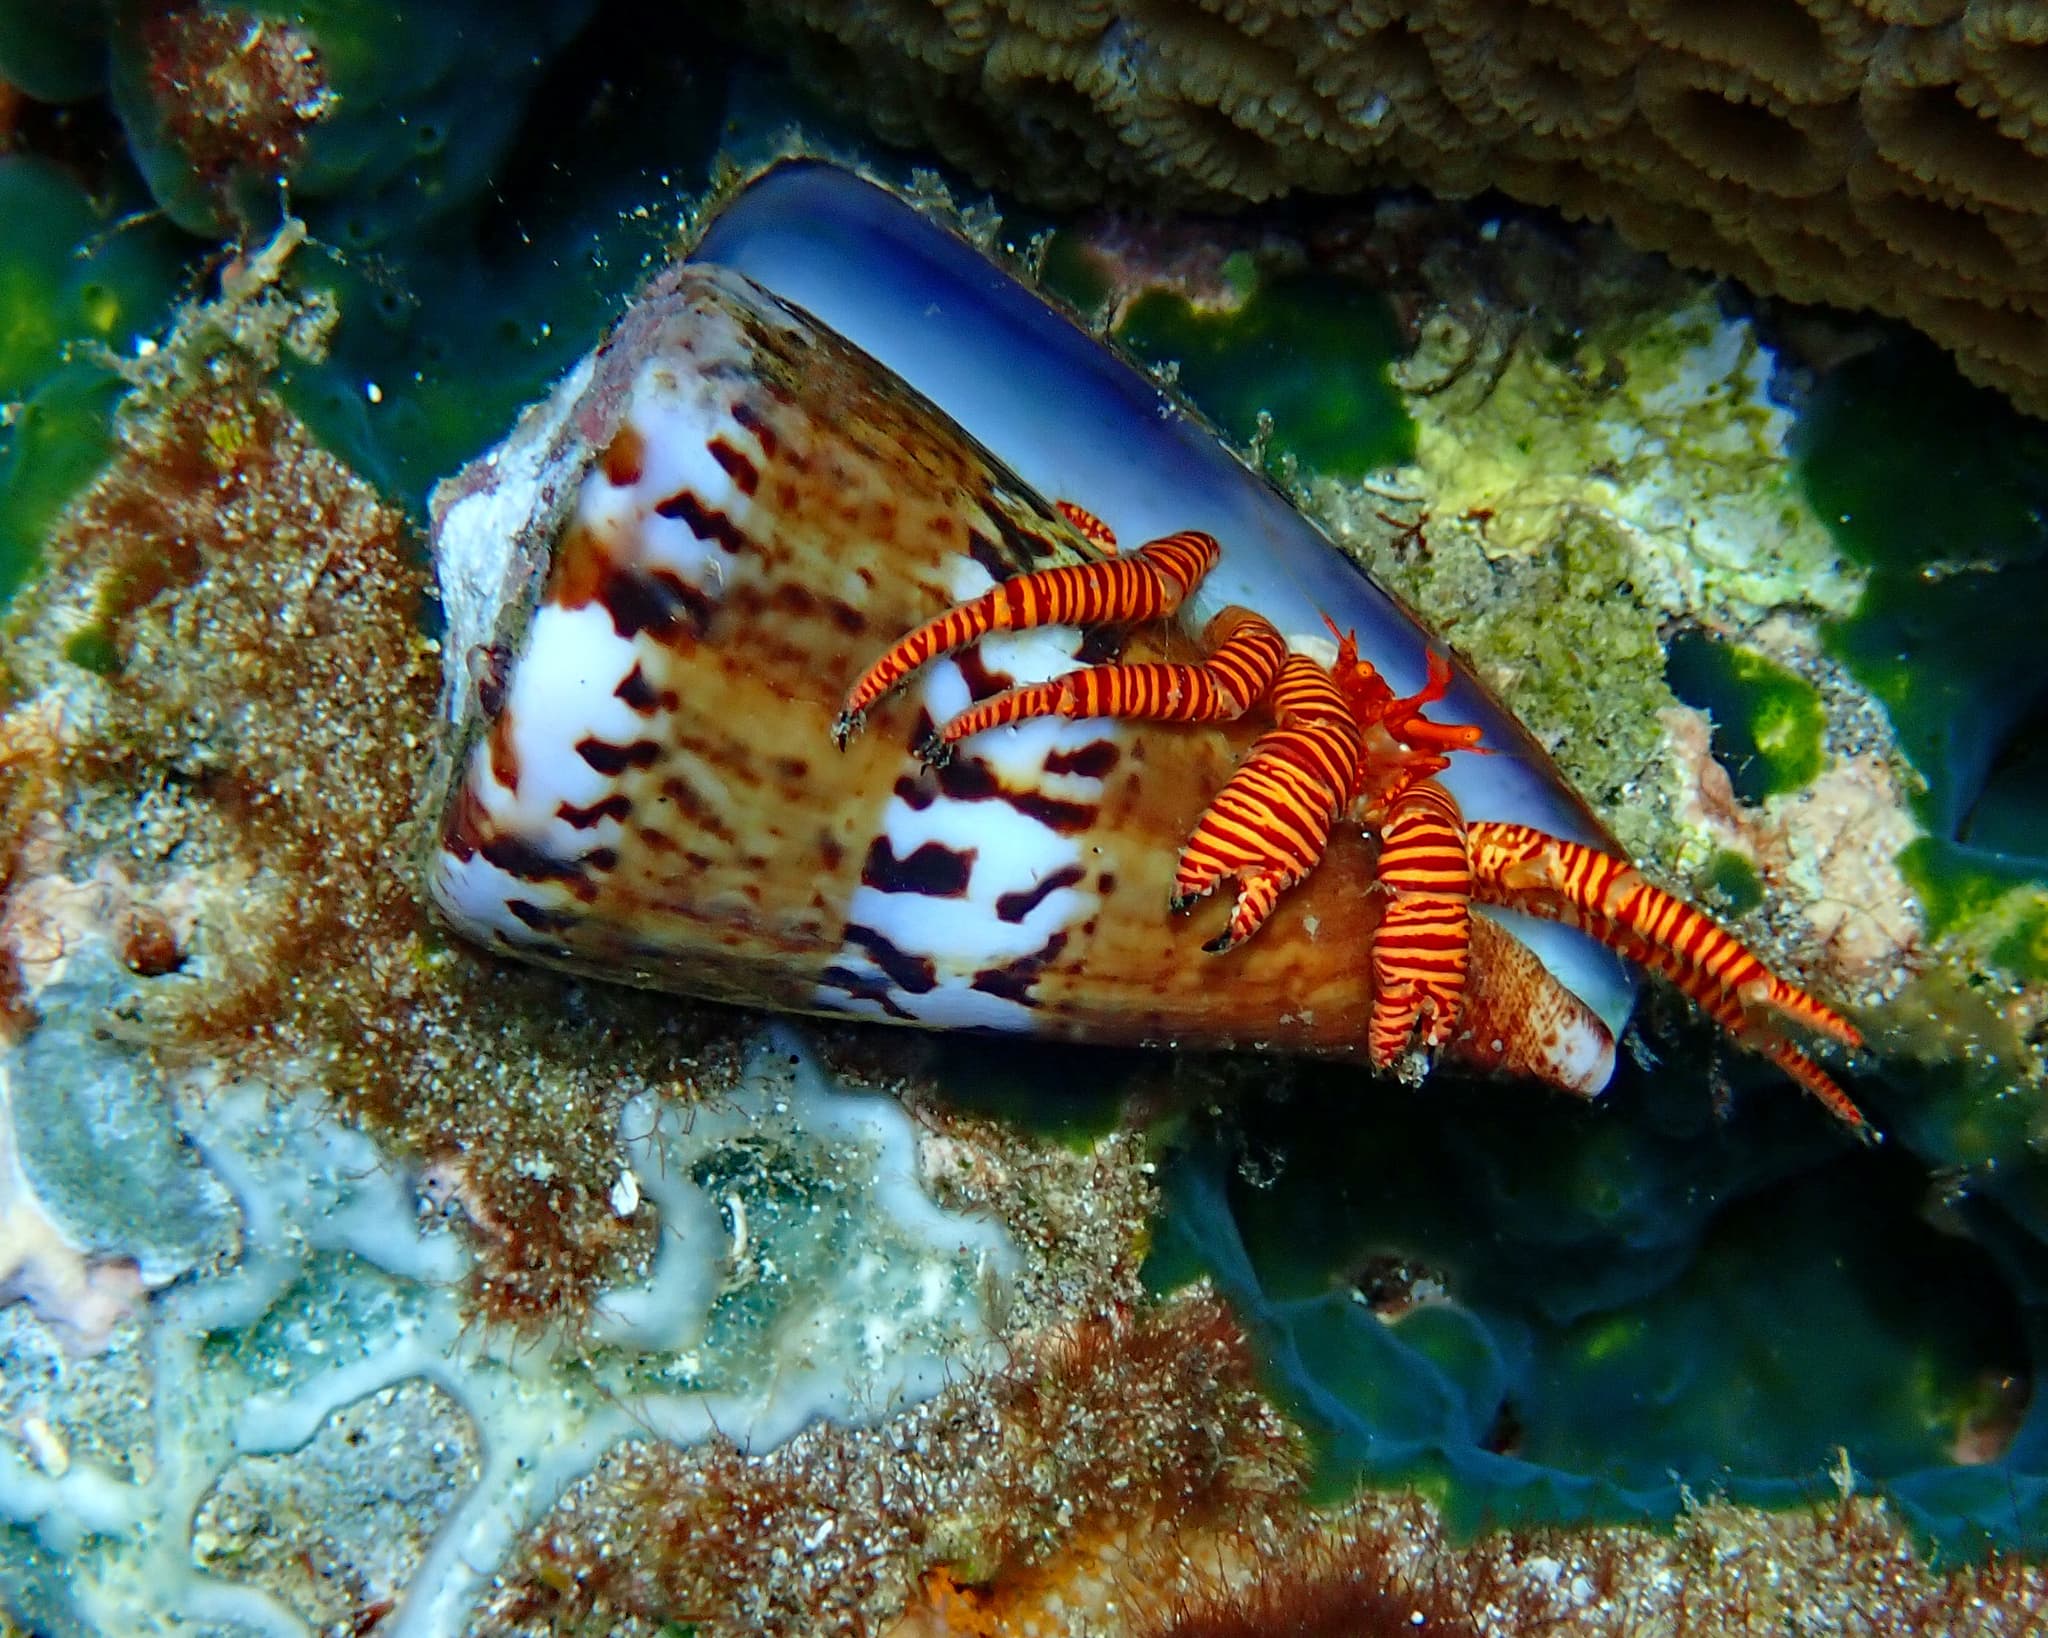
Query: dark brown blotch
[985, 552]
[933, 869]
[913, 974]
[528, 863]
[612, 760]
[637, 693]
[705, 522]
[1091, 761]
[1012, 981]
[625, 458]
[615, 806]
[504, 758]
[690, 803]
[870, 987]
[539, 919]
[969, 779]
[658, 602]
[745, 478]
[1100, 645]
[1025, 547]
[919, 790]
[764, 434]
[983, 680]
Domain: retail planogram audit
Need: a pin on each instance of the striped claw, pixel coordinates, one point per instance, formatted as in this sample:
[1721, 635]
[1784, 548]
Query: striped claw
[1611, 900]
[1270, 824]
[1245, 656]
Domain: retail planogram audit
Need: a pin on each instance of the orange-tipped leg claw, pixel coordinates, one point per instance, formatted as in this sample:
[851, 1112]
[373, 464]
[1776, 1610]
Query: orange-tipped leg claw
[1424, 943]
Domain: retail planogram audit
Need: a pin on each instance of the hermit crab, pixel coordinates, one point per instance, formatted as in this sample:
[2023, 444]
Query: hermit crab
[1343, 744]
[836, 424]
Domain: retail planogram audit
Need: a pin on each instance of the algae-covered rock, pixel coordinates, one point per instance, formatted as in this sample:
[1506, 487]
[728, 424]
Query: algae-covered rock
[1768, 721]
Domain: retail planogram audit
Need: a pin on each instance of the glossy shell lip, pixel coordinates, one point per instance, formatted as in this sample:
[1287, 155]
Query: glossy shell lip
[1077, 422]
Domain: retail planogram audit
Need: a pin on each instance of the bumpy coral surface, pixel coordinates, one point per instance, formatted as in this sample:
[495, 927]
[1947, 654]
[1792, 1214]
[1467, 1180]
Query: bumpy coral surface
[1890, 154]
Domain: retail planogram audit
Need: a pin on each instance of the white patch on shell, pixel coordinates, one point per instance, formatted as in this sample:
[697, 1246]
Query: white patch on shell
[677, 416]
[1013, 851]
[475, 895]
[563, 686]
[562, 690]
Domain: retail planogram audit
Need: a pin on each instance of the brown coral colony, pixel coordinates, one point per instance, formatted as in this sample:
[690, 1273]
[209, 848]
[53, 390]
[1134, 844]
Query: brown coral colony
[1889, 154]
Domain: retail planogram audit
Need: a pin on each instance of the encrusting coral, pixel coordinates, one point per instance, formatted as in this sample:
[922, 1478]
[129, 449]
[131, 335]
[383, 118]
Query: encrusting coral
[1866, 153]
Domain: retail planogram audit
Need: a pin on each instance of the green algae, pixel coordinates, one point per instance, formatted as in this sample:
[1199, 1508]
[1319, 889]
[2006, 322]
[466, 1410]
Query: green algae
[1768, 721]
[1940, 490]
[1068, 272]
[1070, 1095]
[1312, 352]
[1733, 880]
[2001, 906]
[77, 287]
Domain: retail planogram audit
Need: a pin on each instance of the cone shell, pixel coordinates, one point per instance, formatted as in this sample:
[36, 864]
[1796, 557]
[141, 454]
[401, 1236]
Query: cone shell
[659, 590]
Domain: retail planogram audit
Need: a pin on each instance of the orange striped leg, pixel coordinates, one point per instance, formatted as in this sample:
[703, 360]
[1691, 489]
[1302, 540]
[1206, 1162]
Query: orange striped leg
[1246, 654]
[1728, 1012]
[1424, 943]
[1128, 589]
[1087, 525]
[1608, 898]
[1270, 824]
[1598, 885]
